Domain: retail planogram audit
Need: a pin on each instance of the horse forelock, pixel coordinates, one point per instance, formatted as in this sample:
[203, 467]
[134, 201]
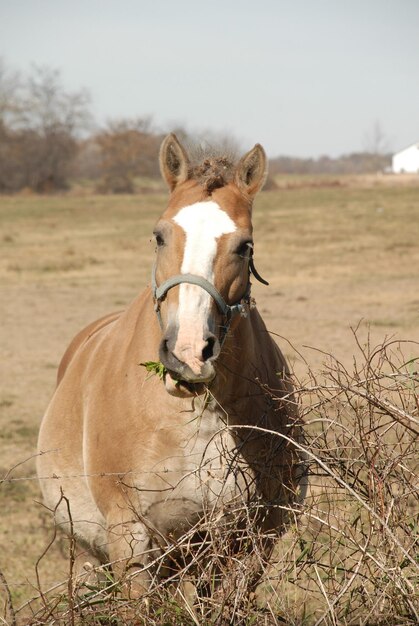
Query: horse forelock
[212, 168]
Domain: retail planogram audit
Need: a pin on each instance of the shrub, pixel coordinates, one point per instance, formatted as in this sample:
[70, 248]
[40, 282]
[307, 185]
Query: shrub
[350, 555]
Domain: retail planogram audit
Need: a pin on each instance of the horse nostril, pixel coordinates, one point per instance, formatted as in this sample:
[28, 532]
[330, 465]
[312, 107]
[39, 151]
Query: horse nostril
[166, 355]
[164, 349]
[211, 349]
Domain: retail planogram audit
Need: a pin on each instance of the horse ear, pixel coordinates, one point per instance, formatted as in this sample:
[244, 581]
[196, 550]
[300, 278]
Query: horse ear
[251, 170]
[174, 161]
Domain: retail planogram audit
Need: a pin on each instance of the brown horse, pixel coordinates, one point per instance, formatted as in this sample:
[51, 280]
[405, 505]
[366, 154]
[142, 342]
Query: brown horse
[142, 458]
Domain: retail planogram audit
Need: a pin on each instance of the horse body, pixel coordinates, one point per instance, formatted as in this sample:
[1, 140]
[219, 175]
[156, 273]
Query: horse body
[140, 460]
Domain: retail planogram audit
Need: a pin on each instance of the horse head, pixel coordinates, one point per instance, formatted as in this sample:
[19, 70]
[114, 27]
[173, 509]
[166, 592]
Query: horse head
[203, 259]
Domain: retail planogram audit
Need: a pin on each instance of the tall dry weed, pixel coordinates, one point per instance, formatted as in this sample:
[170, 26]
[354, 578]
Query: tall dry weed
[350, 555]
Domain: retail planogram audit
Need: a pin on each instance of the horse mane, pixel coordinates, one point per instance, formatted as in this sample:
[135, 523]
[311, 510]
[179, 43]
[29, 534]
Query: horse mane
[212, 168]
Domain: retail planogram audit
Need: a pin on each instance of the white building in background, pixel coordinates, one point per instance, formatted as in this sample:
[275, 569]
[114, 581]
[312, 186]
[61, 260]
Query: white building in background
[406, 160]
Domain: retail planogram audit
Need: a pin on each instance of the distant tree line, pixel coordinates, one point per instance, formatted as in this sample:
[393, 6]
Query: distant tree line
[48, 140]
[355, 163]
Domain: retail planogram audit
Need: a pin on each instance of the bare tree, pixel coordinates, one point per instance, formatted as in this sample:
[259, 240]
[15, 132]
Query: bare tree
[376, 140]
[129, 148]
[10, 86]
[40, 125]
[49, 108]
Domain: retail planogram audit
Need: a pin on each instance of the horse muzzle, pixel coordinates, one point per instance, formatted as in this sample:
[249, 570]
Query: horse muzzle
[189, 366]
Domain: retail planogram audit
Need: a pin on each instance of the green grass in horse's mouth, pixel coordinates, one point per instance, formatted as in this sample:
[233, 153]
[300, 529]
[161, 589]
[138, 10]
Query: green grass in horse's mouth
[157, 368]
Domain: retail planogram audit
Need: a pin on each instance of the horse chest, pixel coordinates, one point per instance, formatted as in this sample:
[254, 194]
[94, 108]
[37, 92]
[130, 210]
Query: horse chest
[205, 472]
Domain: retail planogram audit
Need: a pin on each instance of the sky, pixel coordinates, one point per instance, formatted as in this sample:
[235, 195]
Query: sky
[302, 77]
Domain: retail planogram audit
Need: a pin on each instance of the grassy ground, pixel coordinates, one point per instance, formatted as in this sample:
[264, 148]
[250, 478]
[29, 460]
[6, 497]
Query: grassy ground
[336, 255]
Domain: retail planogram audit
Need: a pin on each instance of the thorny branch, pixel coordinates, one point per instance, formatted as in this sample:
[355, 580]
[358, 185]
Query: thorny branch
[349, 557]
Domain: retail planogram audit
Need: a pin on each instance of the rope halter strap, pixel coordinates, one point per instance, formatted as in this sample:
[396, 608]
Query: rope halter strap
[228, 311]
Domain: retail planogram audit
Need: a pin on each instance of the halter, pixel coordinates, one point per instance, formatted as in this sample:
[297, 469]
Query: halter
[228, 311]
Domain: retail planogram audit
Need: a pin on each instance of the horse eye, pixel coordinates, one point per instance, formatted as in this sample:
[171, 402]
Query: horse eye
[159, 239]
[244, 248]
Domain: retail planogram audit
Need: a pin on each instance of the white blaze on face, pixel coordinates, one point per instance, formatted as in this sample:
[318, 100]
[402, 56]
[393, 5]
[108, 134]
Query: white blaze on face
[203, 223]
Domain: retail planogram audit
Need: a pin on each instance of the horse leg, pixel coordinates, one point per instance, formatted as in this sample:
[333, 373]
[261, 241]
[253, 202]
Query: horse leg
[89, 571]
[130, 554]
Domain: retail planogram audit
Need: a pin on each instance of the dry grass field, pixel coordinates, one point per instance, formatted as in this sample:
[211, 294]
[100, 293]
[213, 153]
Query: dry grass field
[337, 256]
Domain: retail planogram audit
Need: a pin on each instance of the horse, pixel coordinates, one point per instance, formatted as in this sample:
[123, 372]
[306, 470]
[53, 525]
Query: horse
[130, 460]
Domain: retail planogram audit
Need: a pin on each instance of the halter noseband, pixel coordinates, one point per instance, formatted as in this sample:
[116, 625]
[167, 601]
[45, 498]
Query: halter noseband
[228, 311]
